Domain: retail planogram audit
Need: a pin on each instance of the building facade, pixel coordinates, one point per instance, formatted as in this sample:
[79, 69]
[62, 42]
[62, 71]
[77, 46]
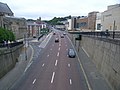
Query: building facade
[17, 25]
[92, 20]
[111, 18]
[98, 22]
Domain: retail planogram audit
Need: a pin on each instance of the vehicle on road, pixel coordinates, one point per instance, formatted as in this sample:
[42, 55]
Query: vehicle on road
[53, 33]
[56, 40]
[64, 33]
[71, 53]
[62, 36]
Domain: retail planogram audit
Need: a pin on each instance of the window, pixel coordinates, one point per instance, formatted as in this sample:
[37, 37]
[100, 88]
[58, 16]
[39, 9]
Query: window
[98, 26]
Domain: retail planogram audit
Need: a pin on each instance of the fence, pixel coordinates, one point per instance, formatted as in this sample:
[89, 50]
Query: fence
[10, 45]
[103, 34]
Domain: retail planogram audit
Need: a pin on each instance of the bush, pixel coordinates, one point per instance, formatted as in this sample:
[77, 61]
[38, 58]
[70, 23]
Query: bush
[6, 35]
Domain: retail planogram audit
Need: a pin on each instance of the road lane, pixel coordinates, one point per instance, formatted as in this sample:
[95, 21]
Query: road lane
[53, 70]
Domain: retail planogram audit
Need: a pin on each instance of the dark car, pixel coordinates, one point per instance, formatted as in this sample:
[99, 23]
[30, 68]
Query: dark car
[56, 40]
[71, 53]
[53, 33]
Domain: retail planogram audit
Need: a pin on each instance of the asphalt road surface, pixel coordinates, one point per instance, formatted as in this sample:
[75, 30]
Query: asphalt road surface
[53, 69]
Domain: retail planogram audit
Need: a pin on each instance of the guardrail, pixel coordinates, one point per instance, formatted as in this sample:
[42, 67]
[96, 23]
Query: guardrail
[103, 34]
[10, 45]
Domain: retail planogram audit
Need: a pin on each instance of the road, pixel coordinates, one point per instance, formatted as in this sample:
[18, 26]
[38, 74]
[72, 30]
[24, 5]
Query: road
[52, 69]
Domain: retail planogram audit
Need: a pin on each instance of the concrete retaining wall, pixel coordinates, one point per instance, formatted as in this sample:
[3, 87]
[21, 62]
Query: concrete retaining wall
[8, 58]
[105, 54]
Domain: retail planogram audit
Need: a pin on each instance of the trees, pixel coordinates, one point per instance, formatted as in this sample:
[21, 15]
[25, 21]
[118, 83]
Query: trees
[6, 35]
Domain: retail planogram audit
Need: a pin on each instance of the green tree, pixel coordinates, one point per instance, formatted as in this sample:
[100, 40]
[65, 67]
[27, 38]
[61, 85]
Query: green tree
[6, 35]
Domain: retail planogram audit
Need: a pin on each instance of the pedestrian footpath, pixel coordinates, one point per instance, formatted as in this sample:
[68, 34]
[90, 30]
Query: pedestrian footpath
[12, 76]
[95, 79]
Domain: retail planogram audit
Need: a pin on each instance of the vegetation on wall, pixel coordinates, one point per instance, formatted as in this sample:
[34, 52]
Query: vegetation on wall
[6, 35]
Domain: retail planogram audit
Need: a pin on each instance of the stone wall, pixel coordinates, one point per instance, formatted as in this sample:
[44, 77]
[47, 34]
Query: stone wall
[8, 59]
[105, 54]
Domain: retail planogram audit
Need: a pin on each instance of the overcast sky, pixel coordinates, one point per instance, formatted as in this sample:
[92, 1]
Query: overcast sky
[47, 9]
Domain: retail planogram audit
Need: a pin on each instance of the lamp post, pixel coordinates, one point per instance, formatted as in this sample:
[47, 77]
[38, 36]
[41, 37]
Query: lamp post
[25, 47]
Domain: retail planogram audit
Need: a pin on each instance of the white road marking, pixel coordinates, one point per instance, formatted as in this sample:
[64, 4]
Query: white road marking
[51, 49]
[70, 82]
[86, 79]
[43, 65]
[28, 66]
[85, 52]
[34, 81]
[59, 44]
[68, 65]
[47, 55]
[53, 75]
[58, 54]
[56, 62]
[59, 49]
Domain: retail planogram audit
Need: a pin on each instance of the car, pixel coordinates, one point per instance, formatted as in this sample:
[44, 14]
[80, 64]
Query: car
[71, 53]
[56, 40]
[64, 33]
[62, 36]
[53, 33]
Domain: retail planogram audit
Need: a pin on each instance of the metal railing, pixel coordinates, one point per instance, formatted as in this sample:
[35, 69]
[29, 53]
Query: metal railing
[10, 45]
[104, 34]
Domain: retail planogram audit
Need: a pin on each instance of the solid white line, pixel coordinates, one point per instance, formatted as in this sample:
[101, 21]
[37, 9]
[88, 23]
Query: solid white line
[68, 65]
[86, 79]
[34, 81]
[52, 77]
[59, 49]
[58, 54]
[85, 52]
[28, 66]
[70, 82]
[56, 62]
[43, 65]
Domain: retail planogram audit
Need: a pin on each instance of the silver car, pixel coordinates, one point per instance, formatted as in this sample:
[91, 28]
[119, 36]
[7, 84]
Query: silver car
[71, 53]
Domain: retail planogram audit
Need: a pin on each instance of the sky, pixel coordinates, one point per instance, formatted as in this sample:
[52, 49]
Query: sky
[48, 9]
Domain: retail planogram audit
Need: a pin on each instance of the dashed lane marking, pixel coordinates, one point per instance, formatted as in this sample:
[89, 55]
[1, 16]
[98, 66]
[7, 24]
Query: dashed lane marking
[34, 81]
[58, 54]
[56, 62]
[43, 65]
[53, 75]
[70, 82]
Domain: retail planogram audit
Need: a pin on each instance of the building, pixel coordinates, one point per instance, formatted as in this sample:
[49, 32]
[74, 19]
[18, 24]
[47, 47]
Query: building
[98, 22]
[4, 11]
[111, 18]
[92, 20]
[17, 25]
[82, 23]
[71, 24]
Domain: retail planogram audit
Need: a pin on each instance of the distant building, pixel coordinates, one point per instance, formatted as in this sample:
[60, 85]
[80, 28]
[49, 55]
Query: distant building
[72, 23]
[111, 18]
[82, 23]
[98, 22]
[92, 20]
